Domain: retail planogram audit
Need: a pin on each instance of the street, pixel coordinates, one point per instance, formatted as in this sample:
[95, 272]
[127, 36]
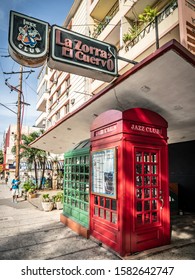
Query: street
[28, 233]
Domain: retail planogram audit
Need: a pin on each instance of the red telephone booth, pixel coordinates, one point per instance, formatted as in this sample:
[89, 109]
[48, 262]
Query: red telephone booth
[129, 206]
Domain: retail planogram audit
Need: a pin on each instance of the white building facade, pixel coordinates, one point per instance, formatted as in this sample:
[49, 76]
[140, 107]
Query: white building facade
[60, 93]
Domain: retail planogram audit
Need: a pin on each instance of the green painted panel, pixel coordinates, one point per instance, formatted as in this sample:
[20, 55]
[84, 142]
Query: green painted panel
[84, 218]
[76, 214]
[67, 210]
[76, 184]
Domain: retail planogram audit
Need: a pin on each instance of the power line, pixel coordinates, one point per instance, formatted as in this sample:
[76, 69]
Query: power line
[8, 108]
[30, 87]
[18, 72]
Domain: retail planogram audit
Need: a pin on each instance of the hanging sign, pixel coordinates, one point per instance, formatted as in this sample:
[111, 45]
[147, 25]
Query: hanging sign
[75, 53]
[28, 40]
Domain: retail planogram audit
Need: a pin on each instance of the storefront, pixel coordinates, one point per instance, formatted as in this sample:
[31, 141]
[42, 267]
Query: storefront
[132, 213]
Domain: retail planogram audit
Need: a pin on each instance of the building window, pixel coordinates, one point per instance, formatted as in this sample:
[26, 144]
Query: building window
[50, 102]
[67, 86]
[66, 108]
[58, 93]
[57, 115]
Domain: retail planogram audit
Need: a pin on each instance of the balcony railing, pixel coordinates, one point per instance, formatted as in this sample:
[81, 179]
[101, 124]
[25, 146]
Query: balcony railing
[102, 25]
[163, 15]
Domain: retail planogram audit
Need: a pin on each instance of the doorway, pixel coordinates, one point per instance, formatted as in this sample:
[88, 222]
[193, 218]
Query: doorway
[148, 199]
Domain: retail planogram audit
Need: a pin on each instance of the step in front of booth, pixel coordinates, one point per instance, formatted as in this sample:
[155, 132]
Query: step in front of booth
[76, 227]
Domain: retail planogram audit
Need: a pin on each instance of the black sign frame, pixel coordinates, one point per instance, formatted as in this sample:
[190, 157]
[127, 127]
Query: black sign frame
[28, 39]
[76, 53]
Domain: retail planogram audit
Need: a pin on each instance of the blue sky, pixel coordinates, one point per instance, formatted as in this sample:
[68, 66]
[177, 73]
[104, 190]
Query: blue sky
[53, 12]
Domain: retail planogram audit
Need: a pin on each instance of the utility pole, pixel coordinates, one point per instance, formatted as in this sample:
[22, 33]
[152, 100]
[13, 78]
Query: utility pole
[18, 131]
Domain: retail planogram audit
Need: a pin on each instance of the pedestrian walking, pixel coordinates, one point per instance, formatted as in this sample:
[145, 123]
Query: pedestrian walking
[54, 183]
[15, 189]
[6, 179]
[43, 181]
[49, 181]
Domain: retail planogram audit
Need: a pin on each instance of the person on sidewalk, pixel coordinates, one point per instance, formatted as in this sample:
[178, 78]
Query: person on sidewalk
[6, 179]
[15, 188]
[43, 182]
[49, 181]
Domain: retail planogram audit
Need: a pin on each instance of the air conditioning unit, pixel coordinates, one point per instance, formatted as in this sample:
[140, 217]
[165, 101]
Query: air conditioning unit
[72, 101]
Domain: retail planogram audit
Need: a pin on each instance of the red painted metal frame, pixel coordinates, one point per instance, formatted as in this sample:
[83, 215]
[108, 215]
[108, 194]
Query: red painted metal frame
[131, 131]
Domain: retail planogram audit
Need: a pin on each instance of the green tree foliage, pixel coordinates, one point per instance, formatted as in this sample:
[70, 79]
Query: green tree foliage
[148, 15]
[1, 156]
[32, 155]
[143, 19]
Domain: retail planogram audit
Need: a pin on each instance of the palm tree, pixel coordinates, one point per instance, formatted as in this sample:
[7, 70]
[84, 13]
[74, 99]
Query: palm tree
[32, 155]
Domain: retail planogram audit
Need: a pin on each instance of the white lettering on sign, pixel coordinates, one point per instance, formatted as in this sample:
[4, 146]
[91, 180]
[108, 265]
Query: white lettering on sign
[76, 49]
[25, 22]
[146, 129]
[28, 50]
[105, 130]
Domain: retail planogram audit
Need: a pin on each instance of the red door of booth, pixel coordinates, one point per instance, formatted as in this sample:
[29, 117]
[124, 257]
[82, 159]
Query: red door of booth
[149, 198]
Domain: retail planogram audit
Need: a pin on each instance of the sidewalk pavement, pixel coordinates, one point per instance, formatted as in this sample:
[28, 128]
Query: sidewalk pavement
[29, 233]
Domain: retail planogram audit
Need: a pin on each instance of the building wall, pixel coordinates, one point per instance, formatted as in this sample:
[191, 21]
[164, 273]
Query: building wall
[168, 29]
[84, 17]
[181, 171]
[62, 98]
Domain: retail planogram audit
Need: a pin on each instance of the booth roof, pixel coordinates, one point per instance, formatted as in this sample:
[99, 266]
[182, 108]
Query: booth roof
[163, 82]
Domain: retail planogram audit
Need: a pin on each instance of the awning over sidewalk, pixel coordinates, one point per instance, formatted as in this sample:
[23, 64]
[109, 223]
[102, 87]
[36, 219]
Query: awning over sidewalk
[164, 82]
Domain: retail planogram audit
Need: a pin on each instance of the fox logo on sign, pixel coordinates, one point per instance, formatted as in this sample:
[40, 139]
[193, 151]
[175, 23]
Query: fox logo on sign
[28, 40]
[28, 36]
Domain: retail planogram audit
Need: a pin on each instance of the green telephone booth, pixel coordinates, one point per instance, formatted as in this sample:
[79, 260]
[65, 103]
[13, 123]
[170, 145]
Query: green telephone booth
[76, 188]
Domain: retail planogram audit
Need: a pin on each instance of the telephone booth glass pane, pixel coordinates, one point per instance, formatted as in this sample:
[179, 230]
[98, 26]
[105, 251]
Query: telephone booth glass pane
[146, 192]
[139, 193]
[114, 218]
[105, 208]
[138, 168]
[138, 181]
